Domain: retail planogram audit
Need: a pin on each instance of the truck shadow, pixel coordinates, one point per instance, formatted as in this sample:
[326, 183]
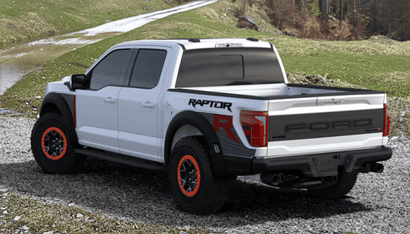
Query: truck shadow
[144, 195]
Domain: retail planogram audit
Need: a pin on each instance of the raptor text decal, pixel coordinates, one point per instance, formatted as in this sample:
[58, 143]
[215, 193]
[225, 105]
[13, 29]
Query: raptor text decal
[214, 104]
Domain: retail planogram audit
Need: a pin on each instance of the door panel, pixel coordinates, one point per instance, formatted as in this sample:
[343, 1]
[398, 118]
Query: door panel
[97, 121]
[138, 106]
[97, 106]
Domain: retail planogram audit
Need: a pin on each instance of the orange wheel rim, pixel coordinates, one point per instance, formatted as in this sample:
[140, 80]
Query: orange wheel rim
[54, 143]
[189, 176]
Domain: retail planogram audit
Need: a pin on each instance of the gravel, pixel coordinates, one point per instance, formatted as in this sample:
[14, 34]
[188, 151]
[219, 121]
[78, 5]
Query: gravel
[379, 203]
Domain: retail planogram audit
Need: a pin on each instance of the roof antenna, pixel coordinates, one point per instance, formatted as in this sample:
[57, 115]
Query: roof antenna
[194, 40]
[251, 39]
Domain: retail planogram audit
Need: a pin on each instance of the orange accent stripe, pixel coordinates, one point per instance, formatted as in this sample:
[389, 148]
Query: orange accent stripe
[75, 111]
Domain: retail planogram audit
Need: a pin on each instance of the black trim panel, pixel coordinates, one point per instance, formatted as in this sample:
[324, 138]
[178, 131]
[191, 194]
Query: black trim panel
[120, 158]
[203, 125]
[238, 165]
[330, 124]
[322, 165]
[276, 97]
[66, 110]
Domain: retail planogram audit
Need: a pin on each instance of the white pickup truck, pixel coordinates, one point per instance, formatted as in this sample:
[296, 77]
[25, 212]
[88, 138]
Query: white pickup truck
[208, 110]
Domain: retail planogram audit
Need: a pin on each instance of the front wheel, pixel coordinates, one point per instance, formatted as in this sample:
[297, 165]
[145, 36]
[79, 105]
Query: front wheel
[345, 183]
[51, 145]
[193, 184]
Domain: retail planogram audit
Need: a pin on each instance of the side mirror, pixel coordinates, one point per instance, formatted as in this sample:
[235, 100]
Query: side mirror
[77, 81]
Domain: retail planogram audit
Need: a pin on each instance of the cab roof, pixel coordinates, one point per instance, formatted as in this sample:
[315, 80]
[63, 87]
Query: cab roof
[193, 43]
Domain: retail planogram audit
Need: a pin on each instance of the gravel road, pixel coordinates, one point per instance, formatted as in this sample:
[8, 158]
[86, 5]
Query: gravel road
[379, 203]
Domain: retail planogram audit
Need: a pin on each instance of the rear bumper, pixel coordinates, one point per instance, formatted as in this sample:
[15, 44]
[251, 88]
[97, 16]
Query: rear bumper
[320, 165]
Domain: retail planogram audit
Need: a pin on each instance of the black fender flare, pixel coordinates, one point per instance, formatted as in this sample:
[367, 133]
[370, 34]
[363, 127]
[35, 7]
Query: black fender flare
[54, 101]
[202, 124]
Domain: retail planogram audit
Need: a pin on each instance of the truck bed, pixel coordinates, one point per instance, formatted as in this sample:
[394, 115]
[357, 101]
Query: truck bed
[306, 119]
[275, 91]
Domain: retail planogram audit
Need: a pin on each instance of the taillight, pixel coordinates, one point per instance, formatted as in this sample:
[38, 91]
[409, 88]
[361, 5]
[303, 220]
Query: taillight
[255, 125]
[386, 125]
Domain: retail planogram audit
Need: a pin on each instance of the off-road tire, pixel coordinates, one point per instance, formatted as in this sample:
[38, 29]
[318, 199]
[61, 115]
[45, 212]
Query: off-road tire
[345, 183]
[51, 146]
[205, 193]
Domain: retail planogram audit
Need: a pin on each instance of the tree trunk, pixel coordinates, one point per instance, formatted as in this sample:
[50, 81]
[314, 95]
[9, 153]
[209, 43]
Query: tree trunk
[323, 7]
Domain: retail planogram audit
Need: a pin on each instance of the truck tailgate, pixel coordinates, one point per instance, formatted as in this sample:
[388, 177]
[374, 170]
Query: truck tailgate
[337, 122]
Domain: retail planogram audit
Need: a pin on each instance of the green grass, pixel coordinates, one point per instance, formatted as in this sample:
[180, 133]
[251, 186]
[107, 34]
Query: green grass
[377, 64]
[40, 217]
[378, 72]
[28, 20]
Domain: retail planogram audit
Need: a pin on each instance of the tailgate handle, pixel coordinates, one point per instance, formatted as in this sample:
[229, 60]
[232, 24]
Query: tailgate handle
[327, 100]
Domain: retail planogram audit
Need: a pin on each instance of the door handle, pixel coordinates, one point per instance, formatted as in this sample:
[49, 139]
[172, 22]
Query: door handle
[148, 104]
[109, 100]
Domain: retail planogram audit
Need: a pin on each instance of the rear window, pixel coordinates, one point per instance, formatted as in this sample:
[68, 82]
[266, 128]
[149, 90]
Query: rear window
[229, 66]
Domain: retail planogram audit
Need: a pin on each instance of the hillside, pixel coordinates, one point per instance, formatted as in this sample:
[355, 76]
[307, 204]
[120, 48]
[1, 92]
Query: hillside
[23, 21]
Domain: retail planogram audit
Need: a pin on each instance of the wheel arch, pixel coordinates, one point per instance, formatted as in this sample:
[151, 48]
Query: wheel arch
[189, 123]
[54, 102]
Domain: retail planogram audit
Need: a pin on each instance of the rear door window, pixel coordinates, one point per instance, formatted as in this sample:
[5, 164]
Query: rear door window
[147, 68]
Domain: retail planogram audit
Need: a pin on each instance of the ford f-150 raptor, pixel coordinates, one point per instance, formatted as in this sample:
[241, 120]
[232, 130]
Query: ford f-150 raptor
[208, 110]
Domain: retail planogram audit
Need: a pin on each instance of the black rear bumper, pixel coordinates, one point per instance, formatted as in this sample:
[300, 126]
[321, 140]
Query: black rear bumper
[319, 165]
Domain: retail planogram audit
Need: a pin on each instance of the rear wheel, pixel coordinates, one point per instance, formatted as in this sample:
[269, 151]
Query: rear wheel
[345, 183]
[51, 146]
[193, 184]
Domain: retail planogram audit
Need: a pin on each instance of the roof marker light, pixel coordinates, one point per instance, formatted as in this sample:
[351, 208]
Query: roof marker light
[223, 44]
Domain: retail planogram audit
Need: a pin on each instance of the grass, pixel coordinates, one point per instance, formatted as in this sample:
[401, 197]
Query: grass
[36, 216]
[28, 20]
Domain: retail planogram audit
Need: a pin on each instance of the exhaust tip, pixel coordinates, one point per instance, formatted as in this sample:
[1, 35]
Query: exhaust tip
[272, 179]
[377, 167]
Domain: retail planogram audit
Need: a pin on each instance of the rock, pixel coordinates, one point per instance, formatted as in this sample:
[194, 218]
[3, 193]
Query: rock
[79, 215]
[25, 228]
[147, 8]
[17, 218]
[315, 79]
[71, 204]
[248, 22]
[222, 17]
[271, 39]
